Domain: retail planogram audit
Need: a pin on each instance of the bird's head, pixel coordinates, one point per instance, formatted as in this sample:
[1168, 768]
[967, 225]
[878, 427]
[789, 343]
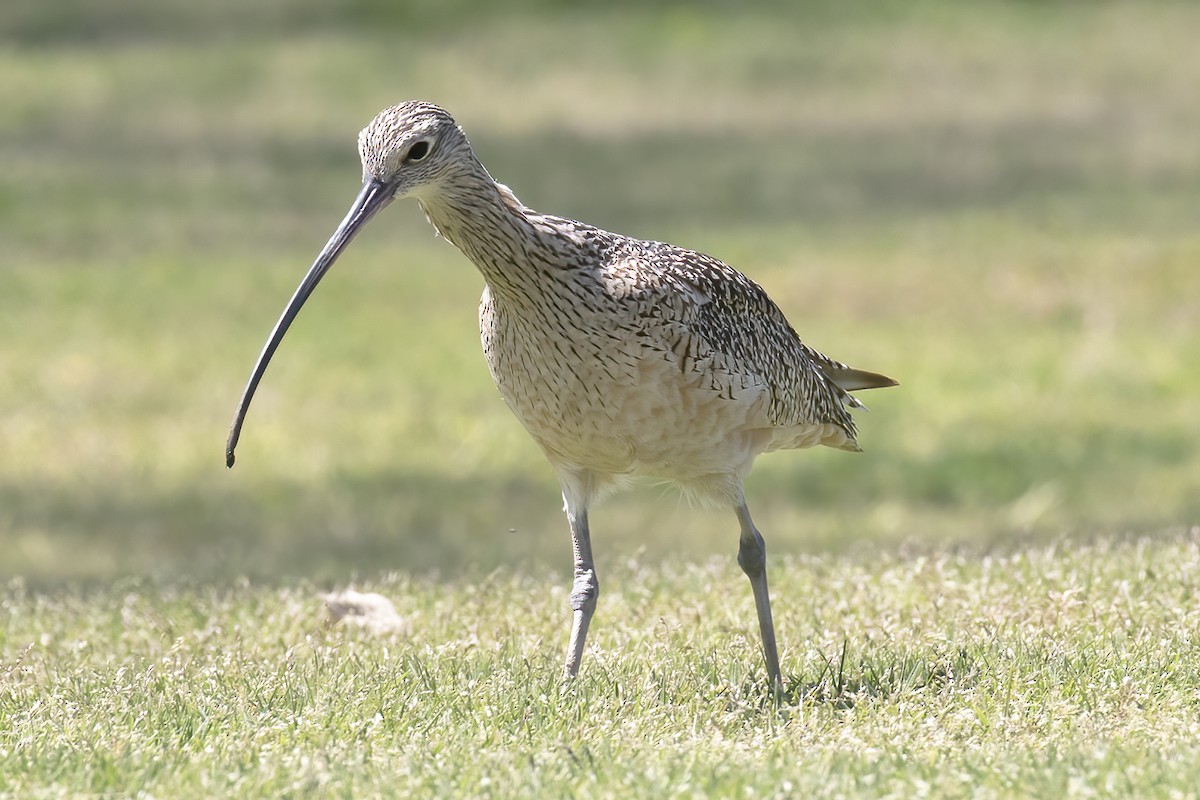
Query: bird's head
[411, 148]
[407, 150]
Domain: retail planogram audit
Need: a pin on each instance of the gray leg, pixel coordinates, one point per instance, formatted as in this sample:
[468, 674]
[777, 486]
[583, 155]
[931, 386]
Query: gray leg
[752, 558]
[585, 588]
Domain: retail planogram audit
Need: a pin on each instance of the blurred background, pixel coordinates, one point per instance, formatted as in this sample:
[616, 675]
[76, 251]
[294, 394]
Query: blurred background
[995, 202]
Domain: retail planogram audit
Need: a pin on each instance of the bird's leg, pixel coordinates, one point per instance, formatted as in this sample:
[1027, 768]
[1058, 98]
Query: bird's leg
[752, 558]
[585, 588]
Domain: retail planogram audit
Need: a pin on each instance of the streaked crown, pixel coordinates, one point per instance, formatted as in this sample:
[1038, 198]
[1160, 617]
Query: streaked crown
[413, 137]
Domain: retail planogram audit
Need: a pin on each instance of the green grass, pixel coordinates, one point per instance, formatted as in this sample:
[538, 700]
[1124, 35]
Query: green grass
[994, 202]
[1068, 670]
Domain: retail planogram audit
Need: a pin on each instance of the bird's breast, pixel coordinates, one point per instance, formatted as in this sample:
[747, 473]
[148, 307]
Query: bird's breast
[608, 391]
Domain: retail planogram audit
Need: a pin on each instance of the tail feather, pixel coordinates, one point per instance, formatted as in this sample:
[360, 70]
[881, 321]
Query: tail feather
[851, 380]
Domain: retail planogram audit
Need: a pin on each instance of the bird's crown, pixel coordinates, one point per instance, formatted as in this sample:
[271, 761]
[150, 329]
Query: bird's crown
[408, 132]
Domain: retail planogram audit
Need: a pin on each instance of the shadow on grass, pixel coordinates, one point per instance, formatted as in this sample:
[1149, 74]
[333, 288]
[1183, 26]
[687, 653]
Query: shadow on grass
[844, 681]
[80, 21]
[859, 176]
[366, 524]
[277, 531]
[648, 184]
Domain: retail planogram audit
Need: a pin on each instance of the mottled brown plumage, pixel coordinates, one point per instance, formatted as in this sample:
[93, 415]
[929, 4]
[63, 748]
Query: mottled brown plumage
[621, 357]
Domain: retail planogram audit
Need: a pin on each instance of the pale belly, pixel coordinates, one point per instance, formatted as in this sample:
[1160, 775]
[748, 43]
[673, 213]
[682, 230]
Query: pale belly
[617, 407]
[627, 395]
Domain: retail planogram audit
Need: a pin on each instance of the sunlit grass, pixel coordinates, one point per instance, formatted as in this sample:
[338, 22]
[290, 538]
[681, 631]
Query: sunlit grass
[1032, 671]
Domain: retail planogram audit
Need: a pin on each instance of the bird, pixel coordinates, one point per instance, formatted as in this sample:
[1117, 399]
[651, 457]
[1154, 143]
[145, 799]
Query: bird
[622, 358]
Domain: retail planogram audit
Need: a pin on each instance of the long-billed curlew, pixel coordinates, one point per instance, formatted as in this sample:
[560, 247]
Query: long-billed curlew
[621, 357]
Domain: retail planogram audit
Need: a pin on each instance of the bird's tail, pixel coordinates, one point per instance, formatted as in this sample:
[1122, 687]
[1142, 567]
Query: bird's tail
[849, 379]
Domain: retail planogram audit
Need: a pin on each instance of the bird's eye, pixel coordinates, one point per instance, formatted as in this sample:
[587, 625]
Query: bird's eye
[417, 151]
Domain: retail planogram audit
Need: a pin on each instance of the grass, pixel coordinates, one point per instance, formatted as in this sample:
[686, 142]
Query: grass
[994, 202]
[1066, 670]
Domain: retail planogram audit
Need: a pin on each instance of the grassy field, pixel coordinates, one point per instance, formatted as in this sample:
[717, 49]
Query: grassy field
[994, 202]
[1066, 671]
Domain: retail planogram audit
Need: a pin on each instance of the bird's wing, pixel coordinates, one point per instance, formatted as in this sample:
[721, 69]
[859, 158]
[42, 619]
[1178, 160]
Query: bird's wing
[726, 325]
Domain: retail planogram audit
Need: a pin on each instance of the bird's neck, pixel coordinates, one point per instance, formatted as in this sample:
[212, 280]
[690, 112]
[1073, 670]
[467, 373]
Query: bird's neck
[484, 219]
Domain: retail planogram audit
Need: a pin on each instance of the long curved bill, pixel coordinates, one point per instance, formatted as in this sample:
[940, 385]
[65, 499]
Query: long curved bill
[373, 197]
